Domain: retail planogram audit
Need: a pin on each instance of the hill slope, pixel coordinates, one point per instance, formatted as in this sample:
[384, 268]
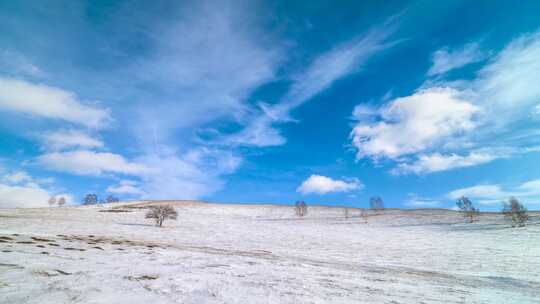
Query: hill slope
[217, 253]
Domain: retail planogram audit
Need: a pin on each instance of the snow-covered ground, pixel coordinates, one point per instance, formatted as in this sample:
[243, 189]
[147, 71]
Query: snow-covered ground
[264, 254]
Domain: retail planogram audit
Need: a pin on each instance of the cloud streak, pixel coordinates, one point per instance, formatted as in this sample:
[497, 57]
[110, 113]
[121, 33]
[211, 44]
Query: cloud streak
[49, 102]
[437, 162]
[321, 74]
[86, 162]
[70, 138]
[445, 60]
[494, 194]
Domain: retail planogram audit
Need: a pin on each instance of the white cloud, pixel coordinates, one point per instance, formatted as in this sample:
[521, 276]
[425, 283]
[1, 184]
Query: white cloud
[532, 186]
[84, 162]
[343, 60]
[127, 187]
[364, 112]
[23, 196]
[319, 184]
[63, 139]
[48, 102]
[205, 83]
[204, 66]
[196, 174]
[163, 174]
[23, 191]
[488, 194]
[17, 177]
[421, 202]
[438, 162]
[422, 135]
[414, 123]
[479, 191]
[339, 62]
[510, 81]
[445, 60]
[201, 66]
[18, 64]
[259, 133]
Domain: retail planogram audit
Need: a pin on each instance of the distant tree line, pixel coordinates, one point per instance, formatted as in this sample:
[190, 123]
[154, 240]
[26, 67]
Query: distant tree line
[59, 201]
[513, 211]
[93, 199]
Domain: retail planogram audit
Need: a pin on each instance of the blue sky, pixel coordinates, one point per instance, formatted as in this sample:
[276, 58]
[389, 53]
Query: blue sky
[418, 102]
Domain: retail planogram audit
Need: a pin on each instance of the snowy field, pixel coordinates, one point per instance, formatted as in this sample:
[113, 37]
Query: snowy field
[264, 254]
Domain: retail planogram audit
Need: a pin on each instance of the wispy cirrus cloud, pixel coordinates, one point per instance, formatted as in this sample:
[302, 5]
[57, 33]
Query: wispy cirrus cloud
[69, 138]
[163, 78]
[126, 187]
[415, 201]
[17, 177]
[344, 59]
[194, 174]
[199, 82]
[205, 64]
[19, 64]
[428, 163]
[445, 60]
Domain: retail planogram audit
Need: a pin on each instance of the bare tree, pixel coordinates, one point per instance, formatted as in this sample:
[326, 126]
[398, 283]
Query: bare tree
[376, 203]
[112, 199]
[90, 199]
[301, 208]
[346, 213]
[515, 212]
[52, 201]
[363, 215]
[61, 201]
[161, 213]
[466, 206]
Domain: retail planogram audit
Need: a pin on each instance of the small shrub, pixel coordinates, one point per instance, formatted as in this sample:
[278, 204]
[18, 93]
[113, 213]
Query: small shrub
[466, 206]
[90, 199]
[515, 212]
[61, 201]
[376, 203]
[301, 208]
[161, 213]
[52, 201]
[112, 199]
[363, 215]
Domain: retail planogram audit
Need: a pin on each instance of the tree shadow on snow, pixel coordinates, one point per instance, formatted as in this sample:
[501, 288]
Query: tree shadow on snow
[136, 224]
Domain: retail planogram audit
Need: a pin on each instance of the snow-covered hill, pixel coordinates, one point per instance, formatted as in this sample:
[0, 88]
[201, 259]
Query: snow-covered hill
[216, 253]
